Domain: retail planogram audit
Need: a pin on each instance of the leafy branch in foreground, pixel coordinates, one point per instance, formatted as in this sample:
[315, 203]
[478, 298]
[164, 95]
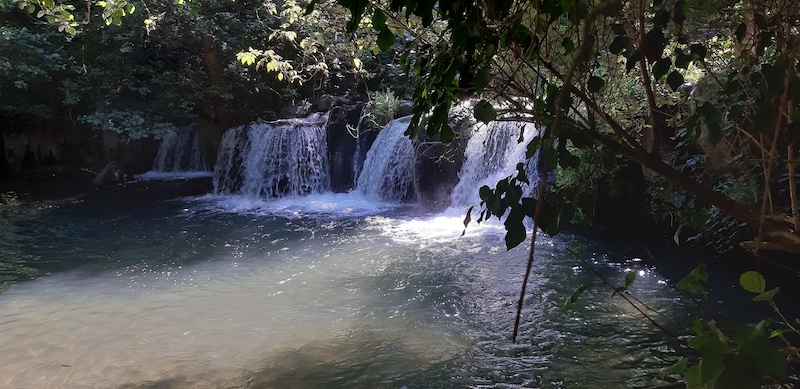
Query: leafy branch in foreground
[569, 66]
[748, 359]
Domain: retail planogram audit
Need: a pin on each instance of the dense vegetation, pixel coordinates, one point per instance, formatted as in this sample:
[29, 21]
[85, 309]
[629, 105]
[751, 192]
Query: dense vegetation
[700, 95]
[140, 69]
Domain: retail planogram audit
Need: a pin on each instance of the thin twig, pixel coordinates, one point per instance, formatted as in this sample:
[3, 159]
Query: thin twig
[580, 56]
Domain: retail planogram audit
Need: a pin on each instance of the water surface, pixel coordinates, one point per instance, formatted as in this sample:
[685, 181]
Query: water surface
[322, 291]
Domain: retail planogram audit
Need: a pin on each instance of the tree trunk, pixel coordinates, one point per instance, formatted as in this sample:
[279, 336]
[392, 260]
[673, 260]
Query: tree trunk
[216, 80]
[793, 190]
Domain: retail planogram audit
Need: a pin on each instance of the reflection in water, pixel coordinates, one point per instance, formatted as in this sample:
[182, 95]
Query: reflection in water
[205, 294]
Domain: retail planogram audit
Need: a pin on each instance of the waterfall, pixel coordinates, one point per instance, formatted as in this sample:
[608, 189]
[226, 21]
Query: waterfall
[492, 153]
[282, 158]
[388, 173]
[180, 152]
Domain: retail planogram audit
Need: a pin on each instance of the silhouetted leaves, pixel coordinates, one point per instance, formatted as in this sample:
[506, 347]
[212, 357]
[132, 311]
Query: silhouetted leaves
[484, 111]
[595, 84]
[675, 80]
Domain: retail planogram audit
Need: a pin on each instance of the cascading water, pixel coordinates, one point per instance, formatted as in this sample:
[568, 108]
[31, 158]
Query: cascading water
[180, 152]
[283, 158]
[492, 153]
[309, 291]
[388, 172]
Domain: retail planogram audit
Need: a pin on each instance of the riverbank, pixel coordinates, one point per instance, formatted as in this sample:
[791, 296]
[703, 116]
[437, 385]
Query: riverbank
[78, 184]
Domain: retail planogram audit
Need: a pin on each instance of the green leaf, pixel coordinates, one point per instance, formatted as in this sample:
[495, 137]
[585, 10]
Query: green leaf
[661, 18]
[385, 39]
[711, 365]
[661, 67]
[693, 377]
[482, 78]
[682, 60]
[595, 84]
[576, 251]
[699, 51]
[679, 13]
[697, 327]
[467, 220]
[779, 333]
[446, 135]
[768, 295]
[484, 111]
[619, 44]
[310, 7]
[630, 61]
[486, 193]
[357, 9]
[675, 80]
[753, 281]
[741, 32]
[678, 368]
[693, 282]
[568, 45]
[378, 20]
[766, 357]
[515, 229]
[629, 278]
[573, 298]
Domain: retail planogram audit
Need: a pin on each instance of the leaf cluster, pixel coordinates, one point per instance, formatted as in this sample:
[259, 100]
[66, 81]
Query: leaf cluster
[749, 359]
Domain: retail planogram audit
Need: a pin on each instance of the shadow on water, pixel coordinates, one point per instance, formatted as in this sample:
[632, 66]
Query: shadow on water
[422, 322]
[146, 225]
[346, 302]
[359, 359]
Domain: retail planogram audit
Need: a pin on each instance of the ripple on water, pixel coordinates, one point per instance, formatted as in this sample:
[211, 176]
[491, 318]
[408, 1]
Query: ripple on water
[216, 297]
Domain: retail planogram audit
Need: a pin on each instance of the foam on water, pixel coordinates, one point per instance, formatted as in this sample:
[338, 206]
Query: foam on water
[152, 175]
[321, 205]
[189, 293]
[246, 289]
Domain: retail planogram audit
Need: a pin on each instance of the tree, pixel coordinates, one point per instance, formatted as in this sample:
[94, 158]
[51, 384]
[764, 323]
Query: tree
[563, 64]
[594, 74]
[574, 67]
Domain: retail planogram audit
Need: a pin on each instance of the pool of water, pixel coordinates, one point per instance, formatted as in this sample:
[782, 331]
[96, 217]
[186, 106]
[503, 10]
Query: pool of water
[323, 291]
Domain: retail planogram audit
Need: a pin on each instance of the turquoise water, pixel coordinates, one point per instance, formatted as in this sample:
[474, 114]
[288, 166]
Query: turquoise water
[326, 291]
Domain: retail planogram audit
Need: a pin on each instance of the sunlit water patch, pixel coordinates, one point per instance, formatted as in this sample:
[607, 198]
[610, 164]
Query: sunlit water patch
[329, 292]
[321, 205]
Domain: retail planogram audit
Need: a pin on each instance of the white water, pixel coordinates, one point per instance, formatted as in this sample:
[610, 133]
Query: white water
[239, 289]
[388, 173]
[197, 294]
[180, 152]
[284, 158]
[492, 153]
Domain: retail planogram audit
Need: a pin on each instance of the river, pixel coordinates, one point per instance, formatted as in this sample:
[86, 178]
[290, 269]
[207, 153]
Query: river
[326, 290]
[270, 280]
